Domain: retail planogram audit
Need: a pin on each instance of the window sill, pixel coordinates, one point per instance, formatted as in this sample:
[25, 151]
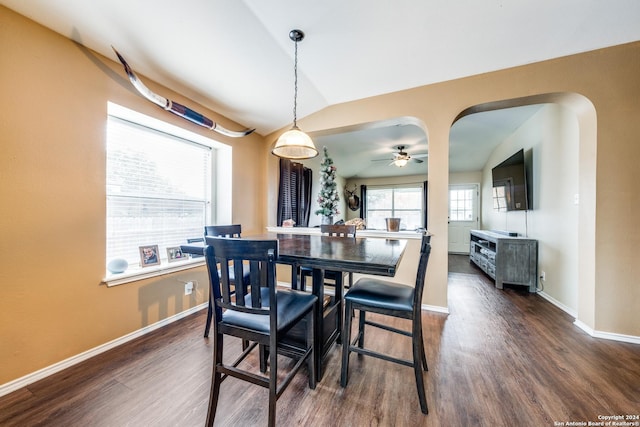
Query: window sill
[148, 272]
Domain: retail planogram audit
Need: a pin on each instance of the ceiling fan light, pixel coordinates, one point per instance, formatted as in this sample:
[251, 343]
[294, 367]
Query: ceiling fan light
[400, 162]
[295, 144]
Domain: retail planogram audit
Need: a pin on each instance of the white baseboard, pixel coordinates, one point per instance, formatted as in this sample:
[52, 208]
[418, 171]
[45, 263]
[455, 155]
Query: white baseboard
[436, 308]
[571, 312]
[606, 335]
[57, 367]
[586, 328]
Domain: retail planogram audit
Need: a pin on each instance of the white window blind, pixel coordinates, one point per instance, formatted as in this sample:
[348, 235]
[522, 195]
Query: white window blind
[159, 189]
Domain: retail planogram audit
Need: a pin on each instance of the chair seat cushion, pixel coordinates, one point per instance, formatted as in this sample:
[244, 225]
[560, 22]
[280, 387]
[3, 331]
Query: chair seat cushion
[381, 294]
[291, 305]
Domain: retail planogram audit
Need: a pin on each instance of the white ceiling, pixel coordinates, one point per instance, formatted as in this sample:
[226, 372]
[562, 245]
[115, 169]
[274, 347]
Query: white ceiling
[235, 56]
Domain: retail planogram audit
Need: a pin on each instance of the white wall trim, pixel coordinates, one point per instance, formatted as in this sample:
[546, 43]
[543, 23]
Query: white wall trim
[436, 308]
[74, 360]
[573, 313]
[586, 328]
[606, 335]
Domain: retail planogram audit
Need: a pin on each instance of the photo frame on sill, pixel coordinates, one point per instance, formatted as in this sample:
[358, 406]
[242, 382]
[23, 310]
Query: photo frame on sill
[174, 254]
[149, 255]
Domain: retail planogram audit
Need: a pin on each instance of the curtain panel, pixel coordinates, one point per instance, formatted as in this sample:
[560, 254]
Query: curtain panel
[294, 193]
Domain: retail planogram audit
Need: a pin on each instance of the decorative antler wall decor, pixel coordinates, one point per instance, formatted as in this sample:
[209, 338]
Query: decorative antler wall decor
[352, 200]
[176, 108]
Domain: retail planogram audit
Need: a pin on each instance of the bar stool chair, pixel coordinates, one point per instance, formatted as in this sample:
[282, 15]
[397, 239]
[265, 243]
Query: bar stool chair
[390, 299]
[262, 316]
[336, 277]
[233, 230]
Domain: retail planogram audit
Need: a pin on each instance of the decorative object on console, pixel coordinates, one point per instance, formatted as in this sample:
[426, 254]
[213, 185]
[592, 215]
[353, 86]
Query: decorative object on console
[295, 144]
[174, 107]
[328, 197]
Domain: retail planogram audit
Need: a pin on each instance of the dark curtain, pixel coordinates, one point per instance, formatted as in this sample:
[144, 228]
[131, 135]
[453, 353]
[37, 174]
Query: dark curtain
[363, 202]
[425, 202]
[294, 193]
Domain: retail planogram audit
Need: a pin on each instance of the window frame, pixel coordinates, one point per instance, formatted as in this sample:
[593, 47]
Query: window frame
[393, 188]
[220, 207]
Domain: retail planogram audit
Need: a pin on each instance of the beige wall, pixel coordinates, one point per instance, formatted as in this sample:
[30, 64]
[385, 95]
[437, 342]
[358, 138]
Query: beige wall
[52, 210]
[550, 140]
[52, 187]
[609, 293]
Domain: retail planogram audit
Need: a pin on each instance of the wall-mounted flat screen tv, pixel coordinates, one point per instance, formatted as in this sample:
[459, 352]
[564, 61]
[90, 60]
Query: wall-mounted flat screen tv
[510, 184]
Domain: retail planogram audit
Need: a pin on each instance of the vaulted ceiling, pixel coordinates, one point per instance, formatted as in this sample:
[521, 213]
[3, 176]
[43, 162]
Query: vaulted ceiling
[235, 56]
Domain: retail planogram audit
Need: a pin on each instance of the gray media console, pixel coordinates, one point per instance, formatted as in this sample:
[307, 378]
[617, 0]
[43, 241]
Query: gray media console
[505, 258]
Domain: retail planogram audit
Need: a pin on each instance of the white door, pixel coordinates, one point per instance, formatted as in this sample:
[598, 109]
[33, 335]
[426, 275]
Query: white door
[463, 216]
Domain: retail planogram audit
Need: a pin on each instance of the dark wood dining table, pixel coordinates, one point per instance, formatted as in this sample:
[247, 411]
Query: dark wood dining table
[378, 256]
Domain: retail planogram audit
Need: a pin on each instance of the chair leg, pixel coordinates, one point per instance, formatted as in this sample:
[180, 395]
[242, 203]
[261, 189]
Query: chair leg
[207, 327]
[273, 383]
[424, 355]
[263, 355]
[216, 379]
[346, 341]
[418, 359]
[361, 321]
[311, 360]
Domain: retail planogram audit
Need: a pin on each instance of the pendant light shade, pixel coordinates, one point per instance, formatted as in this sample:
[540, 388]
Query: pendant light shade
[294, 143]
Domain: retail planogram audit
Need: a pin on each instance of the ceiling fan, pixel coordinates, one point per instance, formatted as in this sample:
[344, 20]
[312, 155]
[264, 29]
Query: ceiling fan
[401, 158]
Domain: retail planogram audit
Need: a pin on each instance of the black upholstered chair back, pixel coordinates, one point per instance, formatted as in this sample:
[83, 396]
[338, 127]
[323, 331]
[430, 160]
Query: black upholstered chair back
[229, 253]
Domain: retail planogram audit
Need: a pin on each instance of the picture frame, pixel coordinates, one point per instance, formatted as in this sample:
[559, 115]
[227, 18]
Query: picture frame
[149, 255]
[174, 253]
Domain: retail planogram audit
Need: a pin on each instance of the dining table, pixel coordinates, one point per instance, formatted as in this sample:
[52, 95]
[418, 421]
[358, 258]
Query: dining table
[364, 255]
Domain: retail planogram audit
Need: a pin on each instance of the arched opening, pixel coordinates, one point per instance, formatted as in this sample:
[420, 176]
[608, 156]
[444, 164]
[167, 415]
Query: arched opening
[557, 133]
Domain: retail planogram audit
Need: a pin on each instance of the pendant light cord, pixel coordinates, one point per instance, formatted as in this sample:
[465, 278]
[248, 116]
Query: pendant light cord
[295, 85]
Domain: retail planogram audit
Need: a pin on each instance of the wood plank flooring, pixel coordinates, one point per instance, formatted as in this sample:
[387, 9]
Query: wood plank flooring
[500, 358]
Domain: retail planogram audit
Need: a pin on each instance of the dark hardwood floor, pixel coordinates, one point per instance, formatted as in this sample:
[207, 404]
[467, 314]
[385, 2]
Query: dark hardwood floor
[500, 358]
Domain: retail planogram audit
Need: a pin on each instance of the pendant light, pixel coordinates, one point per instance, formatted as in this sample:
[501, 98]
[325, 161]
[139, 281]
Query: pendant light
[294, 143]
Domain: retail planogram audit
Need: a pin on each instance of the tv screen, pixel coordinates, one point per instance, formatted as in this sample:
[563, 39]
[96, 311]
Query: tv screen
[510, 184]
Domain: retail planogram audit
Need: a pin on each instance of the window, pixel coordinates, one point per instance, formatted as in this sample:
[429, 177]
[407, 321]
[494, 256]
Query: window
[461, 204]
[404, 202]
[159, 185]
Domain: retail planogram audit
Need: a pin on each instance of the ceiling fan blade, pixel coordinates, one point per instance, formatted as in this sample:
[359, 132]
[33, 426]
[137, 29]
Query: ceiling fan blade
[416, 160]
[420, 155]
[381, 160]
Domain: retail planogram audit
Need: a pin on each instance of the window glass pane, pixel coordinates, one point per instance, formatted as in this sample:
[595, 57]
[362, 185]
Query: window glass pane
[461, 204]
[407, 198]
[395, 202]
[379, 199]
[158, 189]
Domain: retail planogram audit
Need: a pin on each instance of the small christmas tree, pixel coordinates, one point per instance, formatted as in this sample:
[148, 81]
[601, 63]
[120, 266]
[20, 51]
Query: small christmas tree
[328, 197]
